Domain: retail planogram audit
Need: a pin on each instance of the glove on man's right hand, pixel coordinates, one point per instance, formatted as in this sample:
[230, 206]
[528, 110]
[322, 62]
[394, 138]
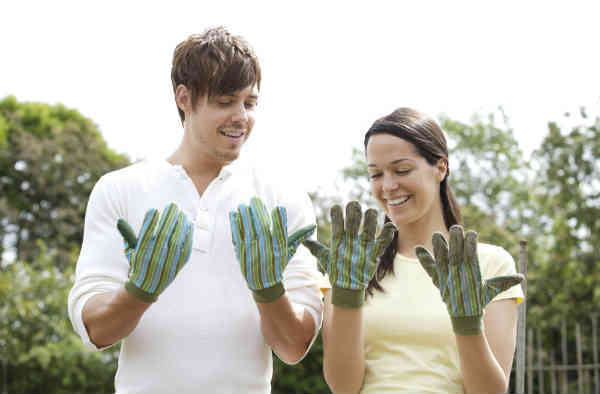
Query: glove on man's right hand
[353, 258]
[158, 253]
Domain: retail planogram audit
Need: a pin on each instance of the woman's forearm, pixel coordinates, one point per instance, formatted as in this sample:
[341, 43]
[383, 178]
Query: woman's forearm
[486, 359]
[343, 348]
[481, 371]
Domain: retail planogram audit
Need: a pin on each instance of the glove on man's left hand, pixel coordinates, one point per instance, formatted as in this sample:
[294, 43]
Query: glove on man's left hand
[263, 248]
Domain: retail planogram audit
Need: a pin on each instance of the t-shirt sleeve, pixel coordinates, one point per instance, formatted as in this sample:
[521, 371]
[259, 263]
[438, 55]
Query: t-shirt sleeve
[498, 263]
[101, 266]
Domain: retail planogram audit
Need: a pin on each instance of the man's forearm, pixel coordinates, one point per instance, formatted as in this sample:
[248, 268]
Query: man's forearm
[287, 332]
[110, 317]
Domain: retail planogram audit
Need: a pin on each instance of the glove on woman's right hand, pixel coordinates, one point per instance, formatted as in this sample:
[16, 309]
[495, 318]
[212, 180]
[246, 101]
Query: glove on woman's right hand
[352, 259]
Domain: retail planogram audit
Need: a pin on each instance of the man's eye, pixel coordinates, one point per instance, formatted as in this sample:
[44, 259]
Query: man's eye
[250, 105]
[402, 172]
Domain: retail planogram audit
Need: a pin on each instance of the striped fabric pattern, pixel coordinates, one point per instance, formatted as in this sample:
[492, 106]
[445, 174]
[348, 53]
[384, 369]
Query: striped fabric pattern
[160, 251]
[455, 272]
[261, 243]
[353, 255]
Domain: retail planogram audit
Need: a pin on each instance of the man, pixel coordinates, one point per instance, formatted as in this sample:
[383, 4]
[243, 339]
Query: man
[190, 305]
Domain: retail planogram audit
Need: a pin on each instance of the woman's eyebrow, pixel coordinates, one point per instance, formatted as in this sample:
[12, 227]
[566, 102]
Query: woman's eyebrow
[394, 162]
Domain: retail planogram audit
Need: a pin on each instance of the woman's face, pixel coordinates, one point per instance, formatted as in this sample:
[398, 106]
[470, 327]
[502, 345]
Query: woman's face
[404, 184]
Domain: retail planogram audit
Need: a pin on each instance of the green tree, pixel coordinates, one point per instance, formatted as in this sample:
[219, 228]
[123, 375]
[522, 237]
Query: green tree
[40, 351]
[50, 158]
[564, 285]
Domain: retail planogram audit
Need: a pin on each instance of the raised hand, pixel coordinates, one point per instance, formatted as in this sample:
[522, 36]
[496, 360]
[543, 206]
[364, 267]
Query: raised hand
[455, 272]
[353, 258]
[159, 252]
[263, 248]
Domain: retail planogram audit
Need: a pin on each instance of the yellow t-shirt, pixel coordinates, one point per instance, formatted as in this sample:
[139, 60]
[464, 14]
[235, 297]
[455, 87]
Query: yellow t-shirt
[409, 343]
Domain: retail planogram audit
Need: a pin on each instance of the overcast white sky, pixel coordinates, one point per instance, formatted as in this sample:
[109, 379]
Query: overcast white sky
[329, 67]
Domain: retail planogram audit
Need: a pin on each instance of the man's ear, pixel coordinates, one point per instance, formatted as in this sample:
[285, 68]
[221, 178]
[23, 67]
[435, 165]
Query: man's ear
[442, 168]
[183, 98]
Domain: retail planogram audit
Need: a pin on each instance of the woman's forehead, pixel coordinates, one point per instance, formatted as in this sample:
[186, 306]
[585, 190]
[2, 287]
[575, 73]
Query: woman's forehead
[385, 148]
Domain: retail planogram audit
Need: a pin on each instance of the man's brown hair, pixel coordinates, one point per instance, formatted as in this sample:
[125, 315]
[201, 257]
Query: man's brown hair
[214, 63]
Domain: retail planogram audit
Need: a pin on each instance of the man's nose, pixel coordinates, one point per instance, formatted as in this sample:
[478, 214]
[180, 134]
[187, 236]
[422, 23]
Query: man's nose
[241, 114]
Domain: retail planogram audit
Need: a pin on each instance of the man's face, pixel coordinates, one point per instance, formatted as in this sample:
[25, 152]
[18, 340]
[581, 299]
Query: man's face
[218, 126]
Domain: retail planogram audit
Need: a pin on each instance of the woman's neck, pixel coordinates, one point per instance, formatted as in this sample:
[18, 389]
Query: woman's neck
[419, 233]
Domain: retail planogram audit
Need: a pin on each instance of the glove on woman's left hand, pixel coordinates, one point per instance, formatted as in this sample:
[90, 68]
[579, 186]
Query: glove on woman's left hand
[455, 272]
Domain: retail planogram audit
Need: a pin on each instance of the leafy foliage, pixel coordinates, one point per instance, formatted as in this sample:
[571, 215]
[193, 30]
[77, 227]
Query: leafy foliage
[302, 378]
[568, 190]
[50, 158]
[41, 352]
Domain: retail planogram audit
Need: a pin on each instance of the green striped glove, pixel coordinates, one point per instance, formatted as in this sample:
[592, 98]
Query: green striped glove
[158, 253]
[353, 258]
[262, 250]
[455, 272]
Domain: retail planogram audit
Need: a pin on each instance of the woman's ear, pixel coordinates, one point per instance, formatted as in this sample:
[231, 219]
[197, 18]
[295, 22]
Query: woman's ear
[442, 169]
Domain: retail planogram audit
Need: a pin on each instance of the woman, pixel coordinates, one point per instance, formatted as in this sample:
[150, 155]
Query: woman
[421, 328]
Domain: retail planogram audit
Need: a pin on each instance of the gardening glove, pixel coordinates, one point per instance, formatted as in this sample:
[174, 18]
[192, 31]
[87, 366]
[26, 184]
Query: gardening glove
[353, 258]
[455, 272]
[158, 253]
[262, 248]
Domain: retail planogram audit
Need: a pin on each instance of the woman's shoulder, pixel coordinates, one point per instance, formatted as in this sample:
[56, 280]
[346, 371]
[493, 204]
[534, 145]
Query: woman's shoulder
[495, 260]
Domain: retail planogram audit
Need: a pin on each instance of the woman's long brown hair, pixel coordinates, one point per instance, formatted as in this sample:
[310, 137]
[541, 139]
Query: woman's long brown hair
[425, 134]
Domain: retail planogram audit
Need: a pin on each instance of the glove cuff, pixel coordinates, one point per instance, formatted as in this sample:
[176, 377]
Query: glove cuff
[347, 298]
[139, 293]
[467, 325]
[269, 294]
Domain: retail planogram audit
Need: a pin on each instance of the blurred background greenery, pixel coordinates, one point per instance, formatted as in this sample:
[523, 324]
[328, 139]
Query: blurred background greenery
[51, 156]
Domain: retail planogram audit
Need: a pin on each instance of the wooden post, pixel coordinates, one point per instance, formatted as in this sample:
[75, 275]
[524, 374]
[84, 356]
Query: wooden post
[552, 373]
[565, 357]
[579, 358]
[540, 361]
[595, 351]
[530, 360]
[522, 322]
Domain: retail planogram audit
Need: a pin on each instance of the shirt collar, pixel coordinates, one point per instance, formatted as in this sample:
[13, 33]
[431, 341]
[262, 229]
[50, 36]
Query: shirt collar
[226, 172]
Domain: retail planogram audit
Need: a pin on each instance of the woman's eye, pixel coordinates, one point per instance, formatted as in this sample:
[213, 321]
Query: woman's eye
[402, 172]
[373, 176]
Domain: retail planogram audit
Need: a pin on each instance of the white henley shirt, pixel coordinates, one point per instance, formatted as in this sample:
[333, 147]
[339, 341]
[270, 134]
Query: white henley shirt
[203, 333]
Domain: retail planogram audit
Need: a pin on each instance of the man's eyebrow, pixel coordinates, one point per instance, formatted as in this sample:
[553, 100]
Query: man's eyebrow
[236, 95]
[394, 162]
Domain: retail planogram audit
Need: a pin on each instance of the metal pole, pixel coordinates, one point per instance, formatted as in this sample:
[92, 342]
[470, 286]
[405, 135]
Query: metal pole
[522, 322]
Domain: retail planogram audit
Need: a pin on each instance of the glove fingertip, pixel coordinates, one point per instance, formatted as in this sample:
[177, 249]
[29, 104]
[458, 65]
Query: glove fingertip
[422, 252]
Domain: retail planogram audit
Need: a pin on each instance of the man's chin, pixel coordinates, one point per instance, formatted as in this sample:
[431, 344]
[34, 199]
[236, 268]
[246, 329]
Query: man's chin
[229, 157]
